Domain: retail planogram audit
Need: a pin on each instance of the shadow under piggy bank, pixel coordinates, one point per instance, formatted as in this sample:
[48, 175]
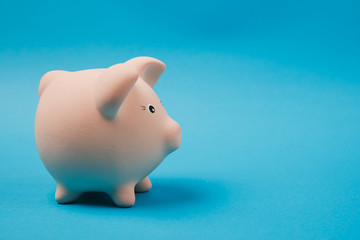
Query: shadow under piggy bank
[168, 195]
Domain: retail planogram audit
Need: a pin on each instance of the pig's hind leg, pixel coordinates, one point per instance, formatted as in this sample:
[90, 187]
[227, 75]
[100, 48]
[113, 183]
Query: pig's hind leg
[64, 195]
[143, 186]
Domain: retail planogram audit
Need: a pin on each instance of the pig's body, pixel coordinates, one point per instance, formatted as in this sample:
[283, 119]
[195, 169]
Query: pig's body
[95, 132]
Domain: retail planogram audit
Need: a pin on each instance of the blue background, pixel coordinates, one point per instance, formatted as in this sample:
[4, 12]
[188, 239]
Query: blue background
[267, 94]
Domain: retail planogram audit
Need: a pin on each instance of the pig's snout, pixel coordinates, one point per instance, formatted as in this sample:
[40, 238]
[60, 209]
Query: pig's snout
[173, 135]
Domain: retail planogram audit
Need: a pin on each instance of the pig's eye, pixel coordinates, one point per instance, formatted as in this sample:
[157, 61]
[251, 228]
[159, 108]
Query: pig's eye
[151, 108]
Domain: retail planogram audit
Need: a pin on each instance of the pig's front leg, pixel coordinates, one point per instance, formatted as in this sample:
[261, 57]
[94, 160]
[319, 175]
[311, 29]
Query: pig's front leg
[124, 196]
[143, 186]
[64, 195]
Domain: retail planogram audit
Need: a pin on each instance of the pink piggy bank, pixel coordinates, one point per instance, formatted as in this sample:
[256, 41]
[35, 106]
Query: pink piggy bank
[104, 129]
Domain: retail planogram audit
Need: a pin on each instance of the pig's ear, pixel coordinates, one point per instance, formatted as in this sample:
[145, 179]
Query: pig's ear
[150, 69]
[112, 87]
[47, 79]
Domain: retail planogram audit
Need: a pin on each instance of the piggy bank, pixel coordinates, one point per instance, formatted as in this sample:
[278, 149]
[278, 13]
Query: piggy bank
[104, 129]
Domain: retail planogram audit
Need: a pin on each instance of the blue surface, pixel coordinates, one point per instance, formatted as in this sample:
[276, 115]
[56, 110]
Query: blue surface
[267, 94]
